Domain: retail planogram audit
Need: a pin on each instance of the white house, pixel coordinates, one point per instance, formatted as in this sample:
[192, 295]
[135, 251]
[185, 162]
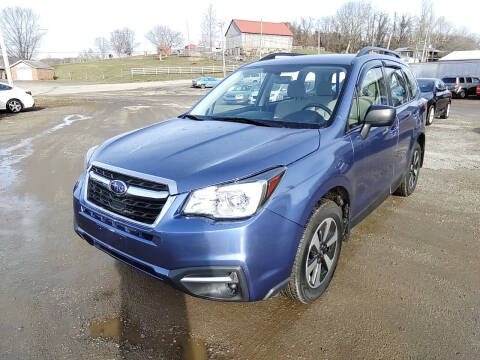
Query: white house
[244, 37]
[462, 55]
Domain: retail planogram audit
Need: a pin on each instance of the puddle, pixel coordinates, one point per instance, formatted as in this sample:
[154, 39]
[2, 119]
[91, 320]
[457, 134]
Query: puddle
[108, 329]
[131, 338]
[16, 153]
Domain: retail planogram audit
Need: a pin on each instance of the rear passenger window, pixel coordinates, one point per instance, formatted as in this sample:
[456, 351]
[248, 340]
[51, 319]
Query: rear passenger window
[469, 79]
[371, 91]
[411, 82]
[462, 80]
[398, 86]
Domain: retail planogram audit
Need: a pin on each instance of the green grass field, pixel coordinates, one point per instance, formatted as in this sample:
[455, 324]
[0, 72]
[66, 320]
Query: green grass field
[118, 70]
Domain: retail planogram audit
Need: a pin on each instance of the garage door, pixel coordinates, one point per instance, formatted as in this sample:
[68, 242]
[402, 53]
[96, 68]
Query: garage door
[24, 73]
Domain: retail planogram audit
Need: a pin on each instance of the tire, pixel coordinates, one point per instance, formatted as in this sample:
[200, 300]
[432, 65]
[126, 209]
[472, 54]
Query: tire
[430, 115]
[462, 94]
[317, 256]
[409, 182]
[446, 112]
[202, 86]
[14, 106]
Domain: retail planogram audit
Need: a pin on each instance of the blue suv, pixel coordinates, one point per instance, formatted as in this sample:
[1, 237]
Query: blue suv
[239, 202]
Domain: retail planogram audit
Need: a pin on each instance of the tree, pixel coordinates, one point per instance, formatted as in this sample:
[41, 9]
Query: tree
[102, 46]
[21, 32]
[122, 41]
[209, 27]
[162, 36]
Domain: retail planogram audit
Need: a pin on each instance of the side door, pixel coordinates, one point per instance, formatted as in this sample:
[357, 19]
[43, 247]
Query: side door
[4, 96]
[372, 168]
[407, 116]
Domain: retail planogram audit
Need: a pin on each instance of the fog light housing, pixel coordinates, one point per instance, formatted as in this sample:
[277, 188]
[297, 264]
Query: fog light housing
[214, 283]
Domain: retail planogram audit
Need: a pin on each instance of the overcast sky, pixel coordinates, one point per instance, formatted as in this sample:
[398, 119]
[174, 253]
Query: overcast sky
[73, 25]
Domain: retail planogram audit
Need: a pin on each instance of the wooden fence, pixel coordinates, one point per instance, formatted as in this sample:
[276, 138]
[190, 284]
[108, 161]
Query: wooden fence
[182, 70]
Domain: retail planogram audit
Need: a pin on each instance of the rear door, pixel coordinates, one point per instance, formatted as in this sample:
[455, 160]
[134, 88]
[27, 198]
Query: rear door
[374, 155]
[407, 115]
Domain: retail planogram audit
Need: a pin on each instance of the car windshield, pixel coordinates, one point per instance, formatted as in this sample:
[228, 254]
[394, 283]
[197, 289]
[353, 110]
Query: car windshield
[300, 96]
[426, 85]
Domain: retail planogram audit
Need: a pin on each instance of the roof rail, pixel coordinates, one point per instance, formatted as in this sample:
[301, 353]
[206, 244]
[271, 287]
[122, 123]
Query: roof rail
[366, 50]
[274, 55]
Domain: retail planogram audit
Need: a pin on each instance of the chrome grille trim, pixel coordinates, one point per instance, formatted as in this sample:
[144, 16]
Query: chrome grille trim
[161, 194]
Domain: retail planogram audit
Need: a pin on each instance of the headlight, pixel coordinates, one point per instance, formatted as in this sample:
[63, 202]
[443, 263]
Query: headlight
[235, 200]
[88, 156]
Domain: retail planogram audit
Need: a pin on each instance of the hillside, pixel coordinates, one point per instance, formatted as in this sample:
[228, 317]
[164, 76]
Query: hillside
[118, 70]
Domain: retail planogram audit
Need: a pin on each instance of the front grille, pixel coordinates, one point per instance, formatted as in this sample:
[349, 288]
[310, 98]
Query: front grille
[129, 180]
[144, 210]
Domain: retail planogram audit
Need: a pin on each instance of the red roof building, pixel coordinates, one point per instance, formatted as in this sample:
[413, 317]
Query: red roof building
[245, 37]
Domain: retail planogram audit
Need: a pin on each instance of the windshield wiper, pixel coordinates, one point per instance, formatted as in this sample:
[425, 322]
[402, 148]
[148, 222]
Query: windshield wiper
[241, 120]
[190, 116]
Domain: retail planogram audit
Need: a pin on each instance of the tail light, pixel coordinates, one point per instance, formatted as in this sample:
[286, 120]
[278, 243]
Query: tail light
[478, 90]
[456, 86]
[29, 93]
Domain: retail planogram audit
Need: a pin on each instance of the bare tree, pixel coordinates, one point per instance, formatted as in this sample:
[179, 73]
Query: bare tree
[209, 26]
[122, 41]
[21, 32]
[102, 46]
[162, 37]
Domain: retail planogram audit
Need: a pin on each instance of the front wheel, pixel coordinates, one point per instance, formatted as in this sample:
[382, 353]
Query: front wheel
[462, 94]
[14, 106]
[409, 182]
[430, 115]
[202, 86]
[317, 254]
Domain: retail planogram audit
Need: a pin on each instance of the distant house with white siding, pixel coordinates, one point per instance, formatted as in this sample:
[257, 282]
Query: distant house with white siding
[244, 37]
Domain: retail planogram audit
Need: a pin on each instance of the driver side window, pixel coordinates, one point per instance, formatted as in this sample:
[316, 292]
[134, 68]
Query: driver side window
[371, 91]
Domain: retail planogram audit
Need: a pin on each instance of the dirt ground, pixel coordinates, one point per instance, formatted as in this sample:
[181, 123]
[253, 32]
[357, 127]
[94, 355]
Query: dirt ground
[407, 285]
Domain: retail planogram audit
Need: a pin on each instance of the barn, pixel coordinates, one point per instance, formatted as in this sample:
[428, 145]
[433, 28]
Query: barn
[245, 37]
[31, 70]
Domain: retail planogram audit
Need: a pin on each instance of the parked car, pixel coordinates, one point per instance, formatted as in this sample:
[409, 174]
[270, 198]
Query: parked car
[239, 202]
[204, 82]
[462, 86]
[438, 98]
[238, 94]
[15, 99]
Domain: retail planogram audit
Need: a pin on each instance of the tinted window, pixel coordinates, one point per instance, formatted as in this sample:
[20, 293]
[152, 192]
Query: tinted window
[411, 82]
[371, 91]
[462, 80]
[398, 86]
[425, 85]
[5, 87]
[469, 79]
[449, 80]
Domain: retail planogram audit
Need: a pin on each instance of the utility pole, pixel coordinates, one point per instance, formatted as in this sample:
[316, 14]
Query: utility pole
[318, 38]
[261, 37]
[222, 36]
[5, 59]
[389, 40]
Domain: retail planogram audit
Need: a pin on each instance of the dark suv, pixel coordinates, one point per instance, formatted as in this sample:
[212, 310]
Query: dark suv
[237, 202]
[462, 86]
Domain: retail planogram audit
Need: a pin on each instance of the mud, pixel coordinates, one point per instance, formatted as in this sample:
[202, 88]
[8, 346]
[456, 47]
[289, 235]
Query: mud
[407, 285]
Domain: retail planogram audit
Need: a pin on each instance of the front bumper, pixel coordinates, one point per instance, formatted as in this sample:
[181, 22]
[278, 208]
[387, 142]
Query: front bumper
[235, 261]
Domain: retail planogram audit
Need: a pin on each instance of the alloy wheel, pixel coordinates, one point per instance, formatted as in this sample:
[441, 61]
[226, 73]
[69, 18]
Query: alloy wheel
[414, 169]
[321, 252]
[14, 106]
[431, 115]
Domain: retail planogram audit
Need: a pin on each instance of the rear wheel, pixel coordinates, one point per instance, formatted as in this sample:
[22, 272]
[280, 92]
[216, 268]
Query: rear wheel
[317, 254]
[446, 112]
[462, 94]
[409, 182]
[202, 86]
[14, 105]
[430, 115]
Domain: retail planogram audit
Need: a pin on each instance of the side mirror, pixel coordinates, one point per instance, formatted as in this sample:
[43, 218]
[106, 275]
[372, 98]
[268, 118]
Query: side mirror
[378, 115]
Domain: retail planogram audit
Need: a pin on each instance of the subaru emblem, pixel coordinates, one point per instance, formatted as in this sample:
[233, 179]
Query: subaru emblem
[118, 187]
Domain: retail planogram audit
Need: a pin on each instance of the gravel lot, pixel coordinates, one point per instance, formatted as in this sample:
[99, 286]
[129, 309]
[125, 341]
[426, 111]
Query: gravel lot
[407, 285]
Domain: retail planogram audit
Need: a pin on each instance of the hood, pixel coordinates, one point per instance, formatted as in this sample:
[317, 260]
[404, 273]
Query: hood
[196, 154]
